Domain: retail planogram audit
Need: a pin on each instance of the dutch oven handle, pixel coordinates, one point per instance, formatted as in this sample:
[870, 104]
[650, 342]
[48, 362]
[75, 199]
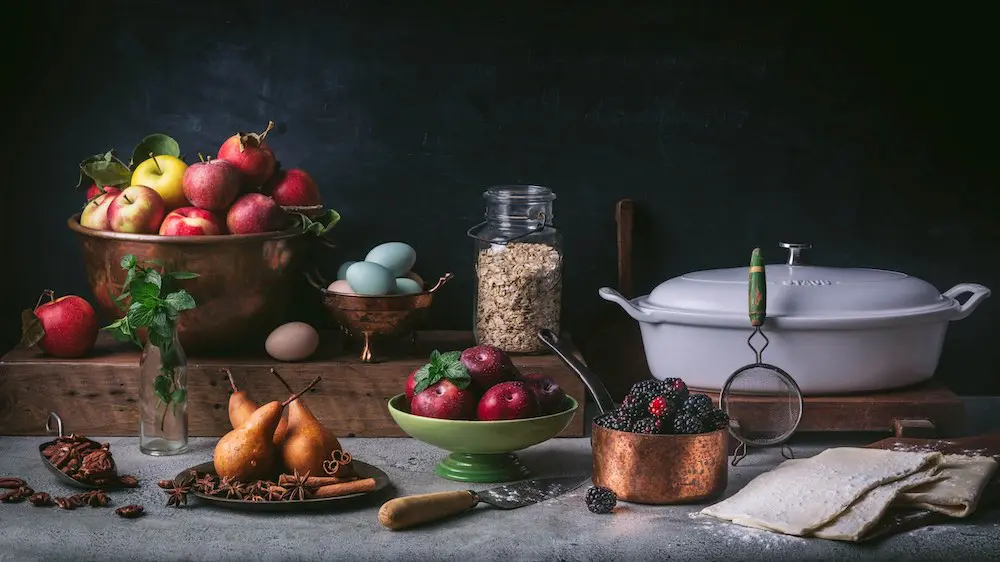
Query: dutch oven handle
[979, 294]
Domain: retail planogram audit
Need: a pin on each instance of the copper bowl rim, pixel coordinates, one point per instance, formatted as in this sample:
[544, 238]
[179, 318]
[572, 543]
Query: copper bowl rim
[74, 224]
[316, 281]
[571, 408]
[667, 436]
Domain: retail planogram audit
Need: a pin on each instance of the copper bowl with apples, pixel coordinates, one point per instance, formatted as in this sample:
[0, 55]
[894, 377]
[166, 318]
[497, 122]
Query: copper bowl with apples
[478, 406]
[238, 221]
[243, 287]
[369, 317]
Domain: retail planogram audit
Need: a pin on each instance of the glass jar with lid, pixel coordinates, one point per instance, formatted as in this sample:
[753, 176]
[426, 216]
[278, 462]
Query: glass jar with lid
[518, 269]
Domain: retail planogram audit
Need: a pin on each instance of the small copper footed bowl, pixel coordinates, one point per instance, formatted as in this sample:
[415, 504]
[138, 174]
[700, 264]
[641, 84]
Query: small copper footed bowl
[661, 469]
[368, 317]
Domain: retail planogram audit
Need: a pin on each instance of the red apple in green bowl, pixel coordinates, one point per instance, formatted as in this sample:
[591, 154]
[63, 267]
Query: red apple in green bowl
[481, 451]
[136, 210]
[191, 221]
[62, 327]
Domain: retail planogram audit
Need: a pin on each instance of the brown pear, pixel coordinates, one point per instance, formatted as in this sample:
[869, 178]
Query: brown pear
[307, 445]
[241, 407]
[247, 453]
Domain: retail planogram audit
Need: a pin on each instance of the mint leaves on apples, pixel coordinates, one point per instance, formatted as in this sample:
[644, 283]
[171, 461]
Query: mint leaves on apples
[155, 307]
[443, 366]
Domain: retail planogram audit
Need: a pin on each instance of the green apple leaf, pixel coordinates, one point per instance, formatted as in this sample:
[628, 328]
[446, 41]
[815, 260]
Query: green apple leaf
[32, 331]
[106, 170]
[157, 143]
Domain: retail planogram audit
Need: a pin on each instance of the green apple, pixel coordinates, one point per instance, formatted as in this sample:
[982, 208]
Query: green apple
[163, 174]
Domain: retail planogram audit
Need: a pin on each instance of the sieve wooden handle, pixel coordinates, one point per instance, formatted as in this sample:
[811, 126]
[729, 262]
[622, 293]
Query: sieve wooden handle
[758, 289]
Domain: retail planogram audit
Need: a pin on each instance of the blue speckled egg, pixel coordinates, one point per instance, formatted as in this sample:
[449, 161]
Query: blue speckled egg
[342, 270]
[397, 257]
[367, 278]
[407, 286]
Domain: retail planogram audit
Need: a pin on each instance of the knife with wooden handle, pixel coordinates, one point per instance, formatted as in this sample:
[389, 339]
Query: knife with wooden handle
[410, 511]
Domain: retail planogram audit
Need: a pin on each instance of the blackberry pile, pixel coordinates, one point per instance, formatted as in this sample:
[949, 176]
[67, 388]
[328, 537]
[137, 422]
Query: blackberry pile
[657, 407]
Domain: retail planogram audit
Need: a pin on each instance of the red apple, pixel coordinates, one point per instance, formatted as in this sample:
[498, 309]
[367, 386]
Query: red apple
[62, 327]
[94, 190]
[137, 210]
[411, 382]
[95, 214]
[511, 400]
[255, 212]
[547, 392]
[444, 400]
[487, 365]
[293, 188]
[190, 221]
[212, 185]
[250, 155]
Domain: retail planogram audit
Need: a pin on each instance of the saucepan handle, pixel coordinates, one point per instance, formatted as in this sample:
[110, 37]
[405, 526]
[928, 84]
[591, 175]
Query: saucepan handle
[979, 294]
[590, 380]
[316, 280]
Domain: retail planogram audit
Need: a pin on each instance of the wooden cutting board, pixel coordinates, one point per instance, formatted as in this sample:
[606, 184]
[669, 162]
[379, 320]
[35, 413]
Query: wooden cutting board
[897, 521]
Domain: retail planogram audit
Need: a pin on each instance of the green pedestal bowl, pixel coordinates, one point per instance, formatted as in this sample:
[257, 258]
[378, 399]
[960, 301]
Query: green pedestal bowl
[481, 451]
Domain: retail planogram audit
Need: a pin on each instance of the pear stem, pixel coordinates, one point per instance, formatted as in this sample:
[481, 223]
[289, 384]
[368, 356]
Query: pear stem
[295, 396]
[156, 163]
[232, 383]
[52, 296]
[270, 125]
[285, 384]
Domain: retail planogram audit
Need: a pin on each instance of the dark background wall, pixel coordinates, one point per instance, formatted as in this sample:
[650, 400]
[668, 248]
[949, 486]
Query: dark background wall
[866, 129]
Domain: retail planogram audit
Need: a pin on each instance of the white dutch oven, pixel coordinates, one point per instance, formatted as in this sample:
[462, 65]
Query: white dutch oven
[834, 330]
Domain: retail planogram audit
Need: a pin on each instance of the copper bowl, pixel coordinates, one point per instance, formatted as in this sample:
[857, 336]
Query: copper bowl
[242, 290]
[660, 469]
[649, 469]
[368, 317]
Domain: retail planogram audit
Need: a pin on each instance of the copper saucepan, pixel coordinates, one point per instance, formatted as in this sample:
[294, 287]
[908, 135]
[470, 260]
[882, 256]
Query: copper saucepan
[649, 469]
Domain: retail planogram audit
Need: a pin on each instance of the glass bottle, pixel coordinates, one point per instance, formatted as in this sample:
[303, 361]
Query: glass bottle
[518, 269]
[163, 400]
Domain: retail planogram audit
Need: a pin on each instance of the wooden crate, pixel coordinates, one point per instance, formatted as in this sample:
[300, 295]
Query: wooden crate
[98, 395]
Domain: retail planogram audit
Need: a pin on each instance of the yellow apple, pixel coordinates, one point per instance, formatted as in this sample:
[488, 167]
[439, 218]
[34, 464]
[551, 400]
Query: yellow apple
[165, 175]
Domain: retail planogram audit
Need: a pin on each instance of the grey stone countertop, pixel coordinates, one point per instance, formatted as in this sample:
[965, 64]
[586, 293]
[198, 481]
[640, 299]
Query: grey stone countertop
[558, 529]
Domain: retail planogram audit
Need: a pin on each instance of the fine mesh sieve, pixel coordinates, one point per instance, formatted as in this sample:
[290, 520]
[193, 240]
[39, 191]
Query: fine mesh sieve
[763, 402]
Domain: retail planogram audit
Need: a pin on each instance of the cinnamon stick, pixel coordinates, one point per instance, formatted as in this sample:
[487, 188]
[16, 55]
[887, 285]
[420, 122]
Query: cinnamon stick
[345, 488]
[314, 481]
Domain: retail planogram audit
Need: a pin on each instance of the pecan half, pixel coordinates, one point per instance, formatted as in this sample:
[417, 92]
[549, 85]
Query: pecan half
[128, 481]
[11, 482]
[40, 499]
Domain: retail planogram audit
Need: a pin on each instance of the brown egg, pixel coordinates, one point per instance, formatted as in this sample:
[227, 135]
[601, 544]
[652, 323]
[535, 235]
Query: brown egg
[341, 287]
[294, 341]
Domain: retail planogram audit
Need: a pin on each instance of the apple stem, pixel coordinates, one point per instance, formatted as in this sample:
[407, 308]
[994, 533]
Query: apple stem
[157, 164]
[270, 125]
[200, 157]
[46, 293]
[127, 200]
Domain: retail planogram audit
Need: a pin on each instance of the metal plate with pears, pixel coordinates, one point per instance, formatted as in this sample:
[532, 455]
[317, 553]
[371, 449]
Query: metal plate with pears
[364, 470]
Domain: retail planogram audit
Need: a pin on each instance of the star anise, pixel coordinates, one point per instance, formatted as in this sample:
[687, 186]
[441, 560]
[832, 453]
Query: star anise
[256, 498]
[297, 489]
[275, 493]
[205, 484]
[231, 489]
[177, 496]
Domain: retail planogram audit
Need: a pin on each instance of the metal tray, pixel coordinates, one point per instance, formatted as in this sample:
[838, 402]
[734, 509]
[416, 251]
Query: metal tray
[364, 470]
[60, 475]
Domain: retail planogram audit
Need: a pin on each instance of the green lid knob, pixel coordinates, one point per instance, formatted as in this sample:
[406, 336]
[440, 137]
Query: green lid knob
[758, 289]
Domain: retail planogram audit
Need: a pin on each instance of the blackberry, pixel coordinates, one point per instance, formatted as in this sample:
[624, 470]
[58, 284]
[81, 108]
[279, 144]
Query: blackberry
[619, 420]
[647, 387]
[634, 402]
[699, 405]
[660, 406]
[648, 426]
[600, 499]
[679, 389]
[717, 419]
[686, 423]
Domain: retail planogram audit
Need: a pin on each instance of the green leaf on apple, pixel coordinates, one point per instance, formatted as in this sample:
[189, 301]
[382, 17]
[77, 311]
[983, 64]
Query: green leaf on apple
[84, 178]
[32, 331]
[157, 143]
[106, 170]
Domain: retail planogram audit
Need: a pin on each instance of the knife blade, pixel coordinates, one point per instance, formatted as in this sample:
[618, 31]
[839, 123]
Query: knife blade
[409, 511]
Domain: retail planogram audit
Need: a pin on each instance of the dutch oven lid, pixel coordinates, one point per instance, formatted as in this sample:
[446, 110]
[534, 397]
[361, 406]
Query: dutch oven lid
[798, 290]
